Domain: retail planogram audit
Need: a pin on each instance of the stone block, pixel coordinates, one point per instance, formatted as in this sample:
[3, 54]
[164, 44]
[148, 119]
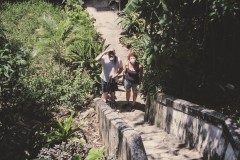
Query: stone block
[120, 140]
[211, 133]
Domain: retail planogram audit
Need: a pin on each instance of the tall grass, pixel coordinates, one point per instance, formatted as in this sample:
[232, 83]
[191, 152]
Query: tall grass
[22, 19]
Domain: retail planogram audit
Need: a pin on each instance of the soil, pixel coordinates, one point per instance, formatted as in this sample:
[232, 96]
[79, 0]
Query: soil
[19, 138]
[91, 126]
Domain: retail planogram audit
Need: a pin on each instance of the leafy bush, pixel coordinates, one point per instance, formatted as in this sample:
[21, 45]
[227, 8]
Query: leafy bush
[73, 41]
[95, 153]
[58, 48]
[58, 40]
[132, 24]
[63, 131]
[182, 54]
[20, 20]
[55, 85]
[12, 62]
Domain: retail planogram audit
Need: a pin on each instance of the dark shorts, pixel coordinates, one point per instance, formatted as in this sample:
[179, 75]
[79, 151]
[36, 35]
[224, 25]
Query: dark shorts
[109, 87]
[129, 85]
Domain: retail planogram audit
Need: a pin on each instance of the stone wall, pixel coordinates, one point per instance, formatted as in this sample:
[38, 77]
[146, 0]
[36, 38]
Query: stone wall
[120, 140]
[208, 131]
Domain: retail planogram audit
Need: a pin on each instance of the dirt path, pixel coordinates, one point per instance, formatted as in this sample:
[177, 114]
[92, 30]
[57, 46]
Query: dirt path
[158, 144]
[107, 25]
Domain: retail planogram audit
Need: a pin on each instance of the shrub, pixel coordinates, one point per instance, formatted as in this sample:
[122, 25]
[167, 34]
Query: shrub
[12, 62]
[183, 56]
[56, 85]
[61, 53]
[58, 49]
[63, 131]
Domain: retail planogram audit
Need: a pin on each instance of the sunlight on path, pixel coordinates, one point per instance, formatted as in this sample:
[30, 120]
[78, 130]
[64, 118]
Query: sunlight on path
[107, 24]
[158, 144]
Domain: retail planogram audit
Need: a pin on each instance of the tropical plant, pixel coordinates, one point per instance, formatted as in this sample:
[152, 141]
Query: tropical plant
[131, 23]
[63, 131]
[182, 56]
[95, 154]
[43, 37]
[20, 22]
[73, 42]
[132, 6]
[51, 37]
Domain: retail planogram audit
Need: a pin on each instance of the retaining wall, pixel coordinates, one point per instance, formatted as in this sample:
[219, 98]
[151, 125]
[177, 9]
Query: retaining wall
[120, 140]
[212, 134]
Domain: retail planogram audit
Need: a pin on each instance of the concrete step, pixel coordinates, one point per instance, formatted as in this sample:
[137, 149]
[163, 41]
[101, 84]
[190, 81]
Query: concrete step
[158, 144]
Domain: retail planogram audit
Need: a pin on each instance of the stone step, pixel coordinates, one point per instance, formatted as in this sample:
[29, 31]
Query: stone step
[158, 144]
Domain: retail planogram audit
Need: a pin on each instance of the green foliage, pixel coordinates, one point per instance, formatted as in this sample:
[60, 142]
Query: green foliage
[12, 62]
[95, 154]
[19, 21]
[51, 37]
[132, 6]
[78, 92]
[84, 43]
[181, 42]
[238, 121]
[3, 37]
[131, 23]
[222, 8]
[64, 131]
[47, 60]
[73, 41]
[55, 85]
[55, 40]
[22, 20]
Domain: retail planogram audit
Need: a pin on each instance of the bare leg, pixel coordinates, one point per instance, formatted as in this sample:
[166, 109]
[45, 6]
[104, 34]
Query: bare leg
[135, 93]
[105, 96]
[128, 94]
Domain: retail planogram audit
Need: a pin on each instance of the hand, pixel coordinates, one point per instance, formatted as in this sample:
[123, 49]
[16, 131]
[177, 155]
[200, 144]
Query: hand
[108, 50]
[138, 88]
[114, 76]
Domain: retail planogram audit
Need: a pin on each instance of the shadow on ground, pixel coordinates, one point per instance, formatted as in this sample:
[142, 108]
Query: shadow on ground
[123, 107]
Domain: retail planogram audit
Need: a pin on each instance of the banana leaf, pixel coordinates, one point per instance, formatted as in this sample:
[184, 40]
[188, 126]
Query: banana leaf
[131, 6]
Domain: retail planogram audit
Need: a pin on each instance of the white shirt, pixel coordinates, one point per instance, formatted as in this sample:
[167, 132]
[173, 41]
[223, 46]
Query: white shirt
[110, 68]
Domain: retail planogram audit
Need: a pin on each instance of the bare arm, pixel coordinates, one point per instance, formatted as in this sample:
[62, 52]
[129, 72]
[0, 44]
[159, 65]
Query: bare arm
[120, 70]
[125, 69]
[98, 58]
